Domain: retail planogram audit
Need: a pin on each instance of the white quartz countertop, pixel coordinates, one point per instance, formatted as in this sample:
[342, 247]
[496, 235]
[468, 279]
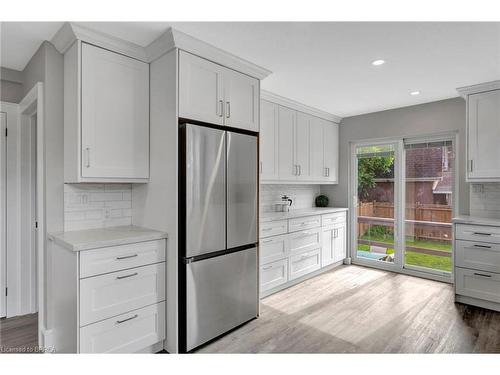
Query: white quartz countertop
[273, 216]
[79, 240]
[466, 219]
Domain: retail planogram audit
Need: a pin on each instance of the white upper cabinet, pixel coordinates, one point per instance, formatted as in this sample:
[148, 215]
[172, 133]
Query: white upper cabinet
[268, 141]
[214, 94]
[484, 136]
[106, 116]
[287, 168]
[306, 147]
[200, 89]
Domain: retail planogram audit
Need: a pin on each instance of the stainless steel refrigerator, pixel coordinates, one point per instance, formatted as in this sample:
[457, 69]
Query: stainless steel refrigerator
[218, 268]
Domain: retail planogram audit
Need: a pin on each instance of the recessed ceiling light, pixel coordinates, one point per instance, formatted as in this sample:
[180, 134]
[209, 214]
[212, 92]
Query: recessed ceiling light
[378, 62]
[415, 93]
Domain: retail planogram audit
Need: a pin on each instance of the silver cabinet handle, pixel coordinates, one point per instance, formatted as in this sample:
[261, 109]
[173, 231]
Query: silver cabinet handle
[300, 169]
[266, 229]
[471, 165]
[126, 320]
[88, 157]
[303, 256]
[126, 276]
[481, 234]
[228, 109]
[127, 257]
[260, 167]
[483, 246]
[220, 109]
[267, 267]
[267, 241]
[295, 170]
[327, 172]
[481, 274]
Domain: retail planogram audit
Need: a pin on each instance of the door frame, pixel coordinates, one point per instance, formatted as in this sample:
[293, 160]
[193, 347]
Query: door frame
[32, 105]
[3, 215]
[399, 238]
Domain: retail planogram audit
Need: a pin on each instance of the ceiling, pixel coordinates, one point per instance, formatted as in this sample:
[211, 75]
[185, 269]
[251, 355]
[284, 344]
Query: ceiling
[326, 65]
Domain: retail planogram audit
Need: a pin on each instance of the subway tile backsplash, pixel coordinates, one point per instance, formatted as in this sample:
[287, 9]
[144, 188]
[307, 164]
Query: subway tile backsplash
[485, 200]
[90, 206]
[303, 196]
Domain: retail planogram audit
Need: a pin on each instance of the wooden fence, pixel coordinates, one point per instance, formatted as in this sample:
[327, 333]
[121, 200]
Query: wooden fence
[423, 221]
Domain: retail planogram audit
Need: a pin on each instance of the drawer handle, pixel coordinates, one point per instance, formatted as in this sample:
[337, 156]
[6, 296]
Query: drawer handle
[126, 320]
[126, 257]
[266, 229]
[267, 267]
[267, 241]
[303, 256]
[481, 234]
[126, 276]
[308, 222]
[481, 274]
[483, 246]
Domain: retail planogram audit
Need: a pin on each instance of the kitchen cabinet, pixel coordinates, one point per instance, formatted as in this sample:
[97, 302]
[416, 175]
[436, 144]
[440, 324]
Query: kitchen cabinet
[218, 95]
[334, 244]
[483, 131]
[304, 148]
[106, 116]
[268, 141]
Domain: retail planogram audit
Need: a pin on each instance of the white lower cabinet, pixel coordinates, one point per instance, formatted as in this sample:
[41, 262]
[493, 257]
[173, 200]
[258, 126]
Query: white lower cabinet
[292, 249]
[125, 333]
[478, 284]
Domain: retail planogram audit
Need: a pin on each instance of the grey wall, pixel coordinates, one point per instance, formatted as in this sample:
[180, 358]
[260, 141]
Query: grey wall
[11, 85]
[436, 117]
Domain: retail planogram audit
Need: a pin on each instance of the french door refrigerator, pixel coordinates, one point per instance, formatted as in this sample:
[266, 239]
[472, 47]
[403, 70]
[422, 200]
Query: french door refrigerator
[218, 267]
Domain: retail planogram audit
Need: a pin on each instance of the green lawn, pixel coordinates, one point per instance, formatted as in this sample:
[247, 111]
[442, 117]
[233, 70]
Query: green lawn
[412, 258]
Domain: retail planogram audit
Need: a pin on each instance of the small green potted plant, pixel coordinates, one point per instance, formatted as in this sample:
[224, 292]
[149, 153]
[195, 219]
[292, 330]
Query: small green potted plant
[321, 201]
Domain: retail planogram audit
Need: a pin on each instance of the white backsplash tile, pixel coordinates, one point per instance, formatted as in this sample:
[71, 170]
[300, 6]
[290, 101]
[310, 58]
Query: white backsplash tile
[89, 206]
[303, 196]
[485, 200]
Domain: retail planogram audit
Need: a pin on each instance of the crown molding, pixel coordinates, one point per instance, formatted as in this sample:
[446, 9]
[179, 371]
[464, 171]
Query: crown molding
[70, 32]
[281, 100]
[481, 87]
[173, 38]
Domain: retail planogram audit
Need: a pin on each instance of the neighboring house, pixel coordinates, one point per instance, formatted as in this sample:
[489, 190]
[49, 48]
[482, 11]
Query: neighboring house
[429, 175]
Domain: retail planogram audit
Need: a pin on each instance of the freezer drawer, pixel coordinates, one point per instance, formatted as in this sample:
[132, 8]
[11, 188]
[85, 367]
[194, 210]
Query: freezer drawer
[221, 293]
[241, 189]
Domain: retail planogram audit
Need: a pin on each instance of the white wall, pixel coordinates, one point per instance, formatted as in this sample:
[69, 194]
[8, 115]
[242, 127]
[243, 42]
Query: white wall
[303, 196]
[11, 85]
[436, 117]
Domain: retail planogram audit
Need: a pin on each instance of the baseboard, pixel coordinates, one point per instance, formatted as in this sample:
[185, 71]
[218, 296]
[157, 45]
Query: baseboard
[300, 279]
[155, 348]
[47, 340]
[477, 302]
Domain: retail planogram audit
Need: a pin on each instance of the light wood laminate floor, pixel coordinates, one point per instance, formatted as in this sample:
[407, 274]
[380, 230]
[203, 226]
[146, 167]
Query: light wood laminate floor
[355, 309]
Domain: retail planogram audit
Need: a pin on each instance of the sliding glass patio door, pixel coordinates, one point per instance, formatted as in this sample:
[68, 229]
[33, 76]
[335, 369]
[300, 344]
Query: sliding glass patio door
[403, 195]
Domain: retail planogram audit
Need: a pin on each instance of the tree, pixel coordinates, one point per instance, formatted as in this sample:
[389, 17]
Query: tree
[370, 168]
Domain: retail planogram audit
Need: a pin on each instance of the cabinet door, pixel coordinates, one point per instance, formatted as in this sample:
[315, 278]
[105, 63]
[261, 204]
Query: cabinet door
[302, 146]
[328, 246]
[268, 141]
[286, 136]
[241, 100]
[318, 170]
[115, 115]
[483, 135]
[340, 243]
[331, 150]
[200, 89]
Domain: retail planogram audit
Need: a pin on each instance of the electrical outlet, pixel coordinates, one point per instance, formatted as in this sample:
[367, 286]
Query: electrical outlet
[84, 199]
[107, 213]
[478, 188]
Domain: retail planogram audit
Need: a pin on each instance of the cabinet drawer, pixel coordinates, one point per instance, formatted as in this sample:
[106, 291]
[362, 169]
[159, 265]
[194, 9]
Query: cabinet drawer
[477, 255]
[304, 263]
[333, 218]
[273, 248]
[301, 223]
[480, 233]
[478, 284]
[272, 228]
[305, 239]
[273, 274]
[126, 333]
[116, 258]
[115, 293]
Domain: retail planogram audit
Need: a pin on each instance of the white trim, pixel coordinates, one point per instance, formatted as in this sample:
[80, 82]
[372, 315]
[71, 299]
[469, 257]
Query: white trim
[3, 215]
[170, 39]
[481, 87]
[281, 100]
[33, 104]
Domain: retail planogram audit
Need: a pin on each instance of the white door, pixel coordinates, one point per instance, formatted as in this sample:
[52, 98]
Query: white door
[318, 170]
[331, 150]
[241, 100]
[302, 145]
[483, 135]
[287, 169]
[268, 141]
[339, 241]
[327, 246]
[3, 222]
[115, 115]
[200, 89]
